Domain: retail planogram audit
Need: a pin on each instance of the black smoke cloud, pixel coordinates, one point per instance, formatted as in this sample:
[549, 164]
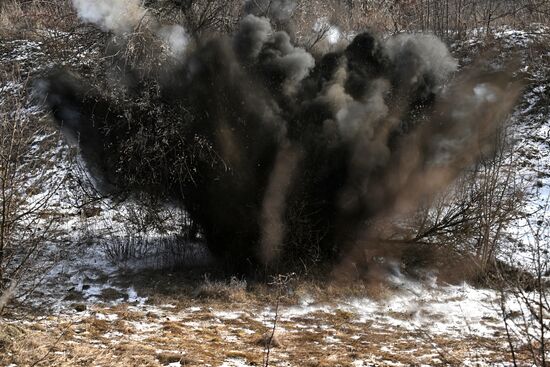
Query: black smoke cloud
[282, 157]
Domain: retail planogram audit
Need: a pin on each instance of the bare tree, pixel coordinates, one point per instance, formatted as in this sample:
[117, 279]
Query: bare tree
[525, 303]
[28, 183]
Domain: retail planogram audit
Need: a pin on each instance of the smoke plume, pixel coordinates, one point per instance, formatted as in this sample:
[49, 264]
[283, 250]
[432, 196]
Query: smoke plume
[277, 155]
[119, 16]
[124, 16]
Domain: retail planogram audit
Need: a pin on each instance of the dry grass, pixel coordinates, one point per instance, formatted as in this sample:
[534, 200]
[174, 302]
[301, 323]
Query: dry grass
[233, 290]
[186, 288]
[27, 18]
[200, 338]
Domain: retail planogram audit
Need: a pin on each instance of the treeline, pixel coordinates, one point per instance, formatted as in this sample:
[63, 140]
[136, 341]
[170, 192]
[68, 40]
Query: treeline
[446, 17]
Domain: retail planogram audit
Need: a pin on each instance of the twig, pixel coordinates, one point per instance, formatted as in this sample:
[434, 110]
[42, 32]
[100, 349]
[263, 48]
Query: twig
[52, 346]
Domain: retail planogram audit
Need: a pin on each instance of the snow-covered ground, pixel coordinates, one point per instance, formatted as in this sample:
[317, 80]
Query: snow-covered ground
[95, 313]
[419, 322]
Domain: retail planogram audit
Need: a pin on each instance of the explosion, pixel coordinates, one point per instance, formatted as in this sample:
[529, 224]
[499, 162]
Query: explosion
[279, 155]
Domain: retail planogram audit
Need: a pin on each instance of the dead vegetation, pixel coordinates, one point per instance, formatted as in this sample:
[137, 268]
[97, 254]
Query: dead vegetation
[200, 338]
[28, 18]
[148, 338]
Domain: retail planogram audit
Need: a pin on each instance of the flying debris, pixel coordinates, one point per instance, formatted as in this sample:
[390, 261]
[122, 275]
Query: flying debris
[279, 155]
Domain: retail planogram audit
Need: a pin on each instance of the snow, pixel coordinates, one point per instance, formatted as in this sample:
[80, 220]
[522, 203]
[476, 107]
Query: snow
[235, 362]
[133, 297]
[142, 328]
[109, 317]
[228, 315]
[331, 340]
[530, 129]
[450, 310]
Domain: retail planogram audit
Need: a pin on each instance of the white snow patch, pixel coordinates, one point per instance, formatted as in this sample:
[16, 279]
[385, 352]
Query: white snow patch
[107, 317]
[134, 298]
[235, 362]
[228, 315]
